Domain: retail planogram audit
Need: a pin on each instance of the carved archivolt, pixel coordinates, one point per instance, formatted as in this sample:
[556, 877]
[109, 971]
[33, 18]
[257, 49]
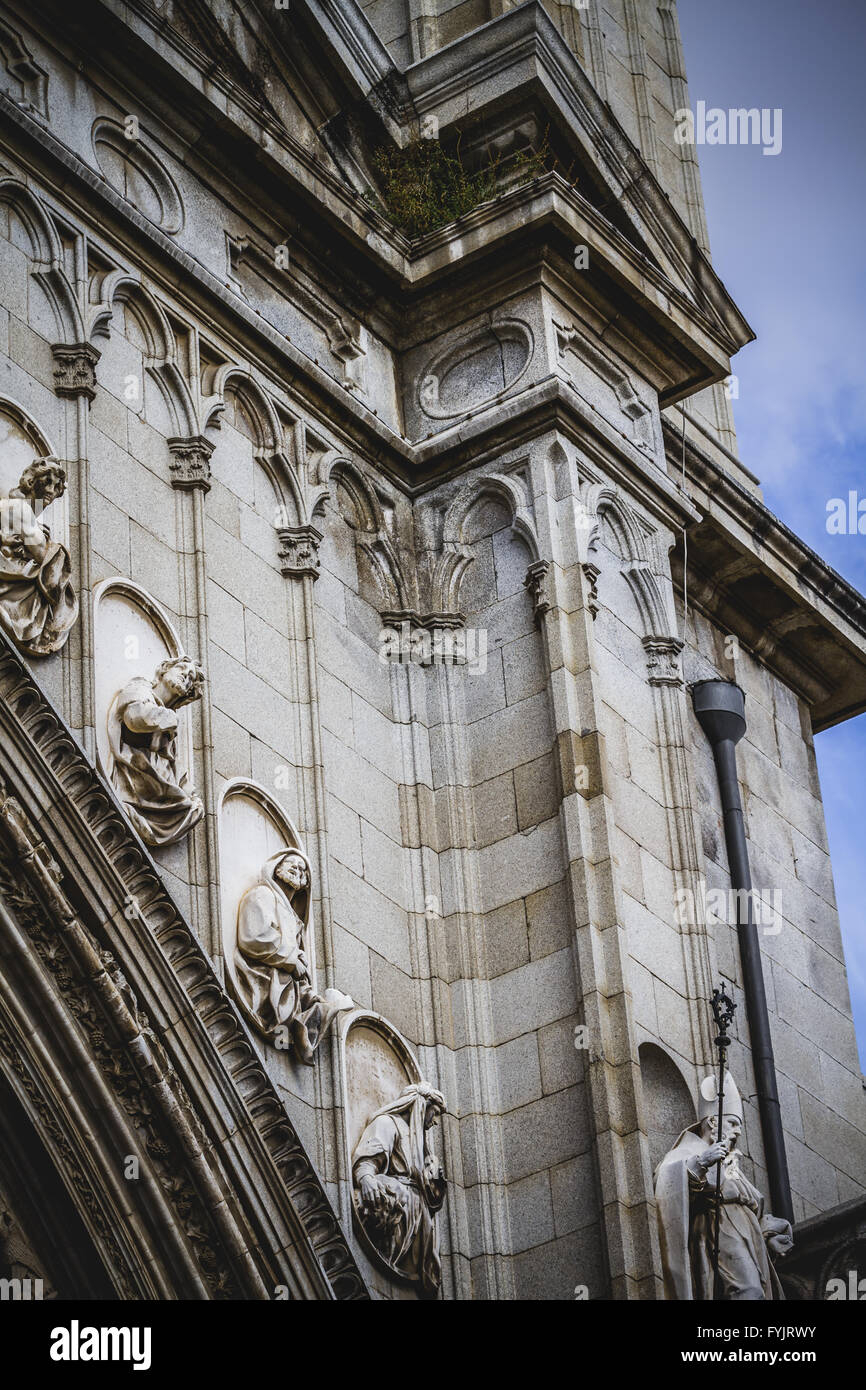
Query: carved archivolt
[373, 536]
[45, 762]
[124, 1048]
[46, 250]
[601, 501]
[75, 357]
[451, 564]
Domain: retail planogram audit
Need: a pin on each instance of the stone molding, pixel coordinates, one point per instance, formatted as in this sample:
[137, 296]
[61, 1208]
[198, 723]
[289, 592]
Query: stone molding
[118, 1035]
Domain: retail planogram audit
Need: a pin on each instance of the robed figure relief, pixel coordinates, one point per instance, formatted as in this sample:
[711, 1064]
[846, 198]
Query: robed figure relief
[685, 1187]
[142, 737]
[272, 958]
[399, 1185]
[38, 604]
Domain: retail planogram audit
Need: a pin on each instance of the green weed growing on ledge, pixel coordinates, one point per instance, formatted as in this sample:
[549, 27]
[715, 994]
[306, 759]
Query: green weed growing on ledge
[423, 187]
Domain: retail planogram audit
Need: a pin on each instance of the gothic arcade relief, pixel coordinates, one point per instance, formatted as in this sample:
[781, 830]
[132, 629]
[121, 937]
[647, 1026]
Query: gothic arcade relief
[267, 925]
[143, 682]
[38, 602]
[398, 1182]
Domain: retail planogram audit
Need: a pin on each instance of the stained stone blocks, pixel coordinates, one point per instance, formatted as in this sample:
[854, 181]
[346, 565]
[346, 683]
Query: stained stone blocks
[286, 461]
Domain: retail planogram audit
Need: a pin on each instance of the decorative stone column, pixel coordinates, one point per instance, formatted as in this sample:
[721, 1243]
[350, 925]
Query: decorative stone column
[75, 381]
[299, 562]
[189, 468]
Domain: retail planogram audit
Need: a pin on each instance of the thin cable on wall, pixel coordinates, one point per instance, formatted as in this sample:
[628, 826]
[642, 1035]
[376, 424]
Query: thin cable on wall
[685, 537]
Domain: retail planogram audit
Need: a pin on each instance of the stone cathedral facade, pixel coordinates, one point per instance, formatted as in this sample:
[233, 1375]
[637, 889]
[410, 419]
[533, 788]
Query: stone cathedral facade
[364, 877]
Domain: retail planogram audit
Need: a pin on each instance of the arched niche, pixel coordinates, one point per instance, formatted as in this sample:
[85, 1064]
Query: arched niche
[22, 441]
[252, 828]
[137, 175]
[668, 1104]
[377, 1064]
[131, 636]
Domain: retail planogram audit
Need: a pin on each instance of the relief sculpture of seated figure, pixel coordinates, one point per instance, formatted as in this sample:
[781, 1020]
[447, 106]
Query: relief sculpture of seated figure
[272, 961]
[38, 604]
[142, 736]
[399, 1185]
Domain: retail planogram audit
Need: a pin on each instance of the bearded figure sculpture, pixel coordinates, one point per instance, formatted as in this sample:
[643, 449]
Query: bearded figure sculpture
[38, 604]
[685, 1188]
[142, 737]
[271, 958]
[399, 1185]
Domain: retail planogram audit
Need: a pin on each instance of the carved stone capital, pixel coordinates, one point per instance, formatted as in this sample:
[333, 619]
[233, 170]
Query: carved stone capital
[663, 660]
[432, 639]
[591, 573]
[75, 369]
[536, 582]
[299, 551]
[190, 462]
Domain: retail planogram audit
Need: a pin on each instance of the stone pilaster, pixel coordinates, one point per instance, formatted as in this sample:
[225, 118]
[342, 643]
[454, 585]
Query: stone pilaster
[75, 381]
[189, 468]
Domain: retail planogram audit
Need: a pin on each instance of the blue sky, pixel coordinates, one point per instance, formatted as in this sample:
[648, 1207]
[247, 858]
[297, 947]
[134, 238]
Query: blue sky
[787, 237]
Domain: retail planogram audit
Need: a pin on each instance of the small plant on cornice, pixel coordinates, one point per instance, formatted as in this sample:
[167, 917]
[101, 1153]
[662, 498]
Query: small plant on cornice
[423, 187]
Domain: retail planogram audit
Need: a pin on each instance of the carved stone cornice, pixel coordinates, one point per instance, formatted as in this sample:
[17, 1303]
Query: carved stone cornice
[299, 551]
[190, 462]
[747, 571]
[663, 660]
[75, 369]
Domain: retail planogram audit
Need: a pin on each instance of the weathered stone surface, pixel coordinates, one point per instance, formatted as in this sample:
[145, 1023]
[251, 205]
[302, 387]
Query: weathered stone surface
[295, 433]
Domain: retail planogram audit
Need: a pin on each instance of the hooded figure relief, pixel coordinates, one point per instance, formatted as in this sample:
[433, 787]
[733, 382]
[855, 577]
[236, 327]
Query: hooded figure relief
[142, 737]
[38, 604]
[685, 1189]
[271, 957]
[399, 1185]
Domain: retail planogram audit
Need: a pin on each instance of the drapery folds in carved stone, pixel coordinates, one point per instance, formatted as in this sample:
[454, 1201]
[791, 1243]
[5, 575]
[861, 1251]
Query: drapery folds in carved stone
[399, 1185]
[271, 960]
[685, 1187]
[142, 733]
[38, 604]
